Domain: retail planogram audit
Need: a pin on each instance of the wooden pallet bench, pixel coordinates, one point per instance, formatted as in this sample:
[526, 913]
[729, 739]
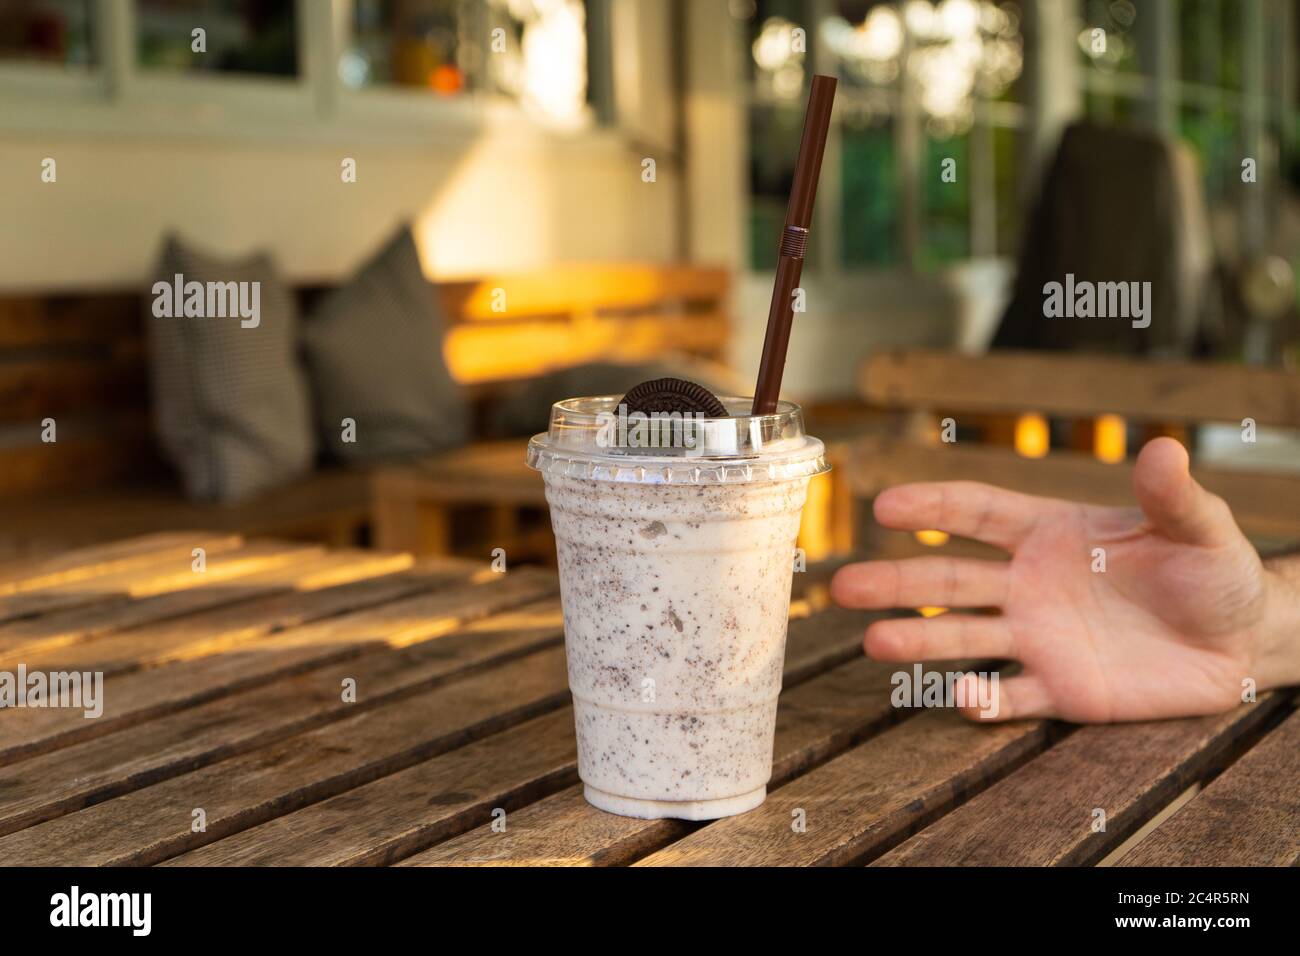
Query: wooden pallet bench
[82, 360]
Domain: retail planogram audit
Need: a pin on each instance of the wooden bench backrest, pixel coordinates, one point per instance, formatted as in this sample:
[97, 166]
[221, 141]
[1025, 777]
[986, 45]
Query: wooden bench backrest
[1171, 395]
[81, 360]
[511, 327]
[1082, 385]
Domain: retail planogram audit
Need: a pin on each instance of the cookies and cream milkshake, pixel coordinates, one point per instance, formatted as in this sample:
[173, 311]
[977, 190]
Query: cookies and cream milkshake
[675, 571]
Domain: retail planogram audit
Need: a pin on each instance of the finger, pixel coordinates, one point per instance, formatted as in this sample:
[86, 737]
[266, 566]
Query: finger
[988, 699]
[939, 638]
[1172, 500]
[968, 509]
[919, 582]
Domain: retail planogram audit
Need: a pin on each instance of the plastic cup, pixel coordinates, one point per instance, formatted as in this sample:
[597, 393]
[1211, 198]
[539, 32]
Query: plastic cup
[675, 566]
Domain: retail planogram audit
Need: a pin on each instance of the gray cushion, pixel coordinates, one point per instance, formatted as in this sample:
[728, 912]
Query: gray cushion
[374, 353]
[230, 402]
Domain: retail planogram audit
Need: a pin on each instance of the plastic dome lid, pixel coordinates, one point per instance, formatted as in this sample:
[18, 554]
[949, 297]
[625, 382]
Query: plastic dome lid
[595, 438]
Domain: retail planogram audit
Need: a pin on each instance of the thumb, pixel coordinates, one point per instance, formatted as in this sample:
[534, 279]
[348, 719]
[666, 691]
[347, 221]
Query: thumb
[1172, 500]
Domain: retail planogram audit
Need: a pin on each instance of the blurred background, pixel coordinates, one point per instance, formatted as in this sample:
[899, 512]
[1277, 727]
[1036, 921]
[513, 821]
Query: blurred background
[620, 169]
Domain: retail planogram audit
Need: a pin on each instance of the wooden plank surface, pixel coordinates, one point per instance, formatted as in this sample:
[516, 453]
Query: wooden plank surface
[1044, 813]
[61, 628]
[1262, 503]
[135, 697]
[21, 576]
[147, 826]
[1248, 816]
[399, 814]
[170, 574]
[468, 710]
[236, 707]
[460, 481]
[1087, 385]
[235, 724]
[400, 807]
[813, 645]
[164, 629]
[490, 471]
[864, 801]
[816, 719]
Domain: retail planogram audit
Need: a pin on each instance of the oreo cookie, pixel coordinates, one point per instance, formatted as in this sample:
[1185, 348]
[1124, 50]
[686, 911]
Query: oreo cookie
[666, 395]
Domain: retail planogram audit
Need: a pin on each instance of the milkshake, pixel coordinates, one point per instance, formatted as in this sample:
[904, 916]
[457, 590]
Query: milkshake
[675, 570]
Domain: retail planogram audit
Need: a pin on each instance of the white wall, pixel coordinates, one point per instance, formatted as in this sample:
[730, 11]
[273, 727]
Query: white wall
[499, 202]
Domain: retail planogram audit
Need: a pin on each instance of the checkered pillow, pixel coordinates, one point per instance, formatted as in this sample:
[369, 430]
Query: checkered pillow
[230, 404]
[374, 353]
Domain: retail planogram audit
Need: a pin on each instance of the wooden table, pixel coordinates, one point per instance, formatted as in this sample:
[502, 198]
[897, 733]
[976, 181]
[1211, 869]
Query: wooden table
[413, 504]
[228, 736]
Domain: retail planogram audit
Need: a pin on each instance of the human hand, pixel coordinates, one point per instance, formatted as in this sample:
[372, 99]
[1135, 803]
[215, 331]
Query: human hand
[1183, 613]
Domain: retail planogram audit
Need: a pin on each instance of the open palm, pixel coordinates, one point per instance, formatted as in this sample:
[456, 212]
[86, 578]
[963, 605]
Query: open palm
[1171, 627]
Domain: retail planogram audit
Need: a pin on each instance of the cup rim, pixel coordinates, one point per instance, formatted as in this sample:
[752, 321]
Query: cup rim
[586, 439]
[785, 410]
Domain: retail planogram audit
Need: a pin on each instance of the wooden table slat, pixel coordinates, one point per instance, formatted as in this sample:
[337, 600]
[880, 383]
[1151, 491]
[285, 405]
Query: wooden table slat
[1248, 816]
[816, 719]
[866, 799]
[808, 725]
[174, 572]
[299, 632]
[146, 826]
[54, 639]
[239, 723]
[78, 564]
[399, 814]
[1043, 814]
[477, 705]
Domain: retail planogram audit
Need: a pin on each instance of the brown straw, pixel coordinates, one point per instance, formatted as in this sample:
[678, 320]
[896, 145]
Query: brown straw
[794, 240]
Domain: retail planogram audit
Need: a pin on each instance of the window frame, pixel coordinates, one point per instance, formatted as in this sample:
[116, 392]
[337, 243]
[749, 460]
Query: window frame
[1163, 92]
[1266, 98]
[116, 96]
[909, 139]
